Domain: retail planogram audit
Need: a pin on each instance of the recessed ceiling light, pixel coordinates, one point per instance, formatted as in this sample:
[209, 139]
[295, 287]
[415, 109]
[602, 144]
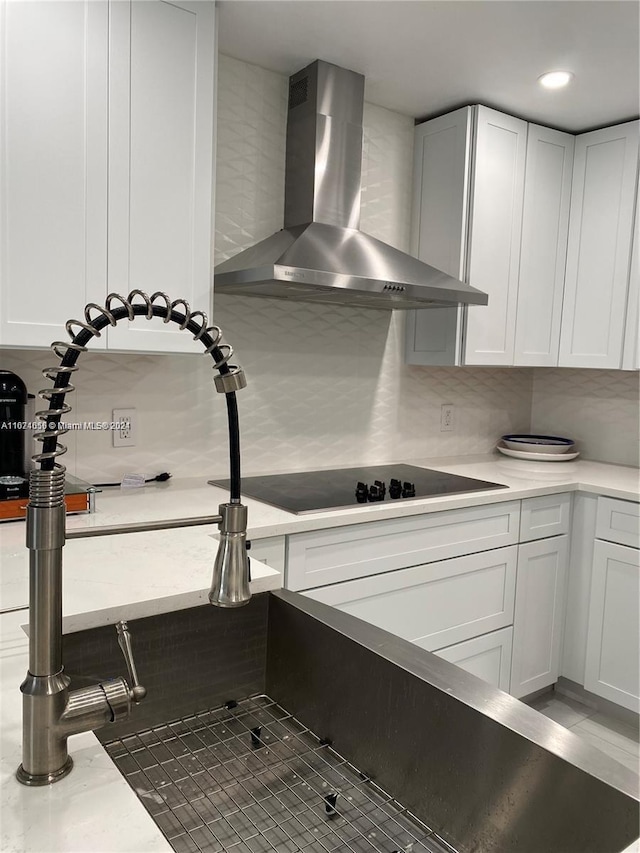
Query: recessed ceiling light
[555, 79]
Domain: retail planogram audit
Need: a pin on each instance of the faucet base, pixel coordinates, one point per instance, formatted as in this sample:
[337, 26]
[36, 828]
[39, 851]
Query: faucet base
[33, 779]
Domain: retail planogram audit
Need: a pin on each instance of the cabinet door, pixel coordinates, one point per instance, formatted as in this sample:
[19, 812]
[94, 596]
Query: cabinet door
[53, 167]
[631, 352]
[574, 641]
[488, 657]
[442, 166]
[161, 97]
[602, 207]
[539, 614]
[496, 226]
[545, 228]
[612, 662]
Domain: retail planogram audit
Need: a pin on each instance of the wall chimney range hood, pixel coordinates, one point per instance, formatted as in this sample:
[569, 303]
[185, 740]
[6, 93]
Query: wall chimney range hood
[321, 255]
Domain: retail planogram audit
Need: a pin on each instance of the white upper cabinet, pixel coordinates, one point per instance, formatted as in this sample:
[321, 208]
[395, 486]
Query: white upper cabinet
[546, 232]
[491, 205]
[598, 257]
[161, 101]
[495, 230]
[442, 171]
[631, 352]
[106, 171]
[53, 167]
[545, 225]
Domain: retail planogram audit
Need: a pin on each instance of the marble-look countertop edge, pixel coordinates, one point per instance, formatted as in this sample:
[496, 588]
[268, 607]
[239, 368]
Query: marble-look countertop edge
[271, 579]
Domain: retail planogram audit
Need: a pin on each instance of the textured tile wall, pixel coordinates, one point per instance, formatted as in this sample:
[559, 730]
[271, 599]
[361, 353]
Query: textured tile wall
[597, 408]
[326, 385]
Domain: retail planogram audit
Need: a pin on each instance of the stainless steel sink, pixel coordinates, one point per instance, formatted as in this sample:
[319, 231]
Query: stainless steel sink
[473, 766]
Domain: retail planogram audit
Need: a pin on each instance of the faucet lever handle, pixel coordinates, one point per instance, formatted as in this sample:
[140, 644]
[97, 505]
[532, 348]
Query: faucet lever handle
[137, 692]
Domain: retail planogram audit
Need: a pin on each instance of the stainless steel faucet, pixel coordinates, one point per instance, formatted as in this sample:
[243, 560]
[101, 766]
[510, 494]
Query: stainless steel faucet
[52, 712]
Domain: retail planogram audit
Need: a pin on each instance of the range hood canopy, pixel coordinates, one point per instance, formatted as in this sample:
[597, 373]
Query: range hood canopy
[321, 255]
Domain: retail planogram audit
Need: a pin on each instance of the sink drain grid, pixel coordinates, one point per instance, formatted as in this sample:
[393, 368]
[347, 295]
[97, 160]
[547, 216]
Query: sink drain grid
[250, 778]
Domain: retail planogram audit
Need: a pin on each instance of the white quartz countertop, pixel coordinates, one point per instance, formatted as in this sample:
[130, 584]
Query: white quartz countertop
[178, 498]
[124, 576]
[140, 574]
[92, 810]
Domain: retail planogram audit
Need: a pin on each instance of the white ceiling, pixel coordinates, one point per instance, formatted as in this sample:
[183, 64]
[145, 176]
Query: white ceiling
[424, 57]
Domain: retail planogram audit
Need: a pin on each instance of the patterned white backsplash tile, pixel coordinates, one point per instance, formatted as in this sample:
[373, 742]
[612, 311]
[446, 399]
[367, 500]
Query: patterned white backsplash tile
[597, 408]
[327, 386]
[251, 130]
[324, 389]
[387, 176]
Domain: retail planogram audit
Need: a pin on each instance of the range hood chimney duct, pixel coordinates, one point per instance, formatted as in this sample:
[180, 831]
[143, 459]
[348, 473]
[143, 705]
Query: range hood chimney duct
[321, 255]
[323, 174]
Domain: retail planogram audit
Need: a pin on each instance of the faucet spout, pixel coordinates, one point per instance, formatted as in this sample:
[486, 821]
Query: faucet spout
[231, 575]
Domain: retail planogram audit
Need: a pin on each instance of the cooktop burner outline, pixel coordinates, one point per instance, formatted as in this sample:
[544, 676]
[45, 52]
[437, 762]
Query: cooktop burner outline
[342, 488]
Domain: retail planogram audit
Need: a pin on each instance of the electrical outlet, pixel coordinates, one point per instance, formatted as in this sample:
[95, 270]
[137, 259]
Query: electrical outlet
[446, 417]
[125, 435]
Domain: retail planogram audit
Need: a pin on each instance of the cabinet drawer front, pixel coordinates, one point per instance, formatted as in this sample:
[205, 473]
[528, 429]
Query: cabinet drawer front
[618, 521]
[488, 657]
[434, 605]
[548, 515]
[330, 556]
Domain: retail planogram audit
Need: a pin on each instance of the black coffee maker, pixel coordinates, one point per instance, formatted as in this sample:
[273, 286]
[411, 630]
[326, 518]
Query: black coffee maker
[13, 404]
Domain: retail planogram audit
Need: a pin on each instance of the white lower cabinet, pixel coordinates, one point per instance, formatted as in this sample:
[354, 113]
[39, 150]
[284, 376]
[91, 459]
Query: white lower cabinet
[482, 587]
[270, 551]
[618, 521]
[545, 516]
[488, 657]
[539, 614]
[574, 641]
[612, 661]
[503, 612]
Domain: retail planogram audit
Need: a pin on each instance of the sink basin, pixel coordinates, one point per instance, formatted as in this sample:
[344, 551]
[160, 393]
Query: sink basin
[484, 772]
[253, 775]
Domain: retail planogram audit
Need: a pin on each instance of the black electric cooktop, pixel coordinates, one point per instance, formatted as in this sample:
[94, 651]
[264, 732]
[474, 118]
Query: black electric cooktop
[313, 491]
